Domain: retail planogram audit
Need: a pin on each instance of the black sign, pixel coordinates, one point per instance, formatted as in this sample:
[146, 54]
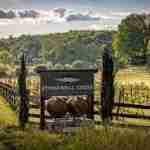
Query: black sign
[66, 82]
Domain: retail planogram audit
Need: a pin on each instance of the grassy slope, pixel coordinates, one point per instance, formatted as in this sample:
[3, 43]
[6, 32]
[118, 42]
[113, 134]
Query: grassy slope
[7, 115]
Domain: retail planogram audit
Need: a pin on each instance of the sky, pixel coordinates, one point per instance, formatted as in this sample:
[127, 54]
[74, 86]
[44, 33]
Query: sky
[99, 4]
[87, 15]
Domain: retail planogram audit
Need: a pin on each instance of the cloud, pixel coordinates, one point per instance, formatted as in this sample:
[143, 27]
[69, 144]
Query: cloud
[82, 17]
[102, 27]
[54, 15]
[59, 15]
[120, 14]
[60, 11]
[28, 14]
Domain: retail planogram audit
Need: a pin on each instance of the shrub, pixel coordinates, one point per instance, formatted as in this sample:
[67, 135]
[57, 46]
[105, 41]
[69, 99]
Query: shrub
[59, 66]
[78, 64]
[68, 66]
[3, 70]
[50, 65]
[13, 138]
[40, 67]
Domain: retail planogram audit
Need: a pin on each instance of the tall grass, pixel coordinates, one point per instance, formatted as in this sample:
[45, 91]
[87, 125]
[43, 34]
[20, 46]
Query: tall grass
[13, 138]
[84, 139]
[109, 139]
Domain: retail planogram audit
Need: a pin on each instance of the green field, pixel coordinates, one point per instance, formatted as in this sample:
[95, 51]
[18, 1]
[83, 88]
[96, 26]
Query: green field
[7, 115]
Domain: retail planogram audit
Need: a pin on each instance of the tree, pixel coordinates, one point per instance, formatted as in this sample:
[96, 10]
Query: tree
[24, 101]
[67, 66]
[133, 37]
[5, 57]
[58, 66]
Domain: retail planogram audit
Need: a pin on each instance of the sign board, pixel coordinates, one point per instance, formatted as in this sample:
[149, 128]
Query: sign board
[66, 82]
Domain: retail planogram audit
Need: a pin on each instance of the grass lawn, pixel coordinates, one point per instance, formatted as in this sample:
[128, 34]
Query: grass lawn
[83, 139]
[7, 115]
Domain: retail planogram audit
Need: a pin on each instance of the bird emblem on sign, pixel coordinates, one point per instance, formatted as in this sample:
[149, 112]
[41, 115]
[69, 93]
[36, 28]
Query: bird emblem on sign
[67, 79]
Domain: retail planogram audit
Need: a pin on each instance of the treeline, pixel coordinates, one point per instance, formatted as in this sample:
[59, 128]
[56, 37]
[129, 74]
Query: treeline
[59, 48]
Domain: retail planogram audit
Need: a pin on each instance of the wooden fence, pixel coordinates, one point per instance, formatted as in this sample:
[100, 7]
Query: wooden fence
[123, 101]
[9, 93]
[130, 101]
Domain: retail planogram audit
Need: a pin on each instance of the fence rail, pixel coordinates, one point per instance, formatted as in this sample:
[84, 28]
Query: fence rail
[9, 93]
[136, 106]
[132, 116]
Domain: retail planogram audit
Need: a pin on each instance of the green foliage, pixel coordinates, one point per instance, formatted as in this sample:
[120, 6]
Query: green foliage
[131, 41]
[11, 138]
[67, 66]
[3, 70]
[50, 65]
[61, 48]
[5, 57]
[58, 66]
[78, 64]
[108, 138]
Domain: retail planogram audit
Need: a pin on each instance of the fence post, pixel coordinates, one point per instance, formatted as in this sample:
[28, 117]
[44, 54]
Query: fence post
[24, 100]
[107, 88]
[42, 110]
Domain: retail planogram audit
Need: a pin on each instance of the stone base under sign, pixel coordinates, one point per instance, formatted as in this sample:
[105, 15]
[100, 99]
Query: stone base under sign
[68, 125]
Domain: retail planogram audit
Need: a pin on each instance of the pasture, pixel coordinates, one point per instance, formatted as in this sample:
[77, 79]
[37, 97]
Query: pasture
[105, 138]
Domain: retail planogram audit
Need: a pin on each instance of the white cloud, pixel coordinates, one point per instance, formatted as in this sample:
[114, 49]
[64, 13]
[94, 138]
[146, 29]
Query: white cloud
[58, 20]
[120, 14]
[82, 17]
[102, 27]
[61, 15]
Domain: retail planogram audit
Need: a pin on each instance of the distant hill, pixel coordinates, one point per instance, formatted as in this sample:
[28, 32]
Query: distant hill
[64, 48]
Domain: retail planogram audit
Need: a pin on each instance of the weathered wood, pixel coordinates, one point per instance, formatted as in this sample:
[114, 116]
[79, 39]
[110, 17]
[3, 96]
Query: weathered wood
[136, 106]
[72, 70]
[8, 92]
[34, 106]
[132, 116]
[42, 109]
[107, 89]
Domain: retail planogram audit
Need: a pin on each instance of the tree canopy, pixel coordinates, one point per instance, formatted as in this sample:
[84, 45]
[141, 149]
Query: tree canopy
[58, 48]
[131, 41]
